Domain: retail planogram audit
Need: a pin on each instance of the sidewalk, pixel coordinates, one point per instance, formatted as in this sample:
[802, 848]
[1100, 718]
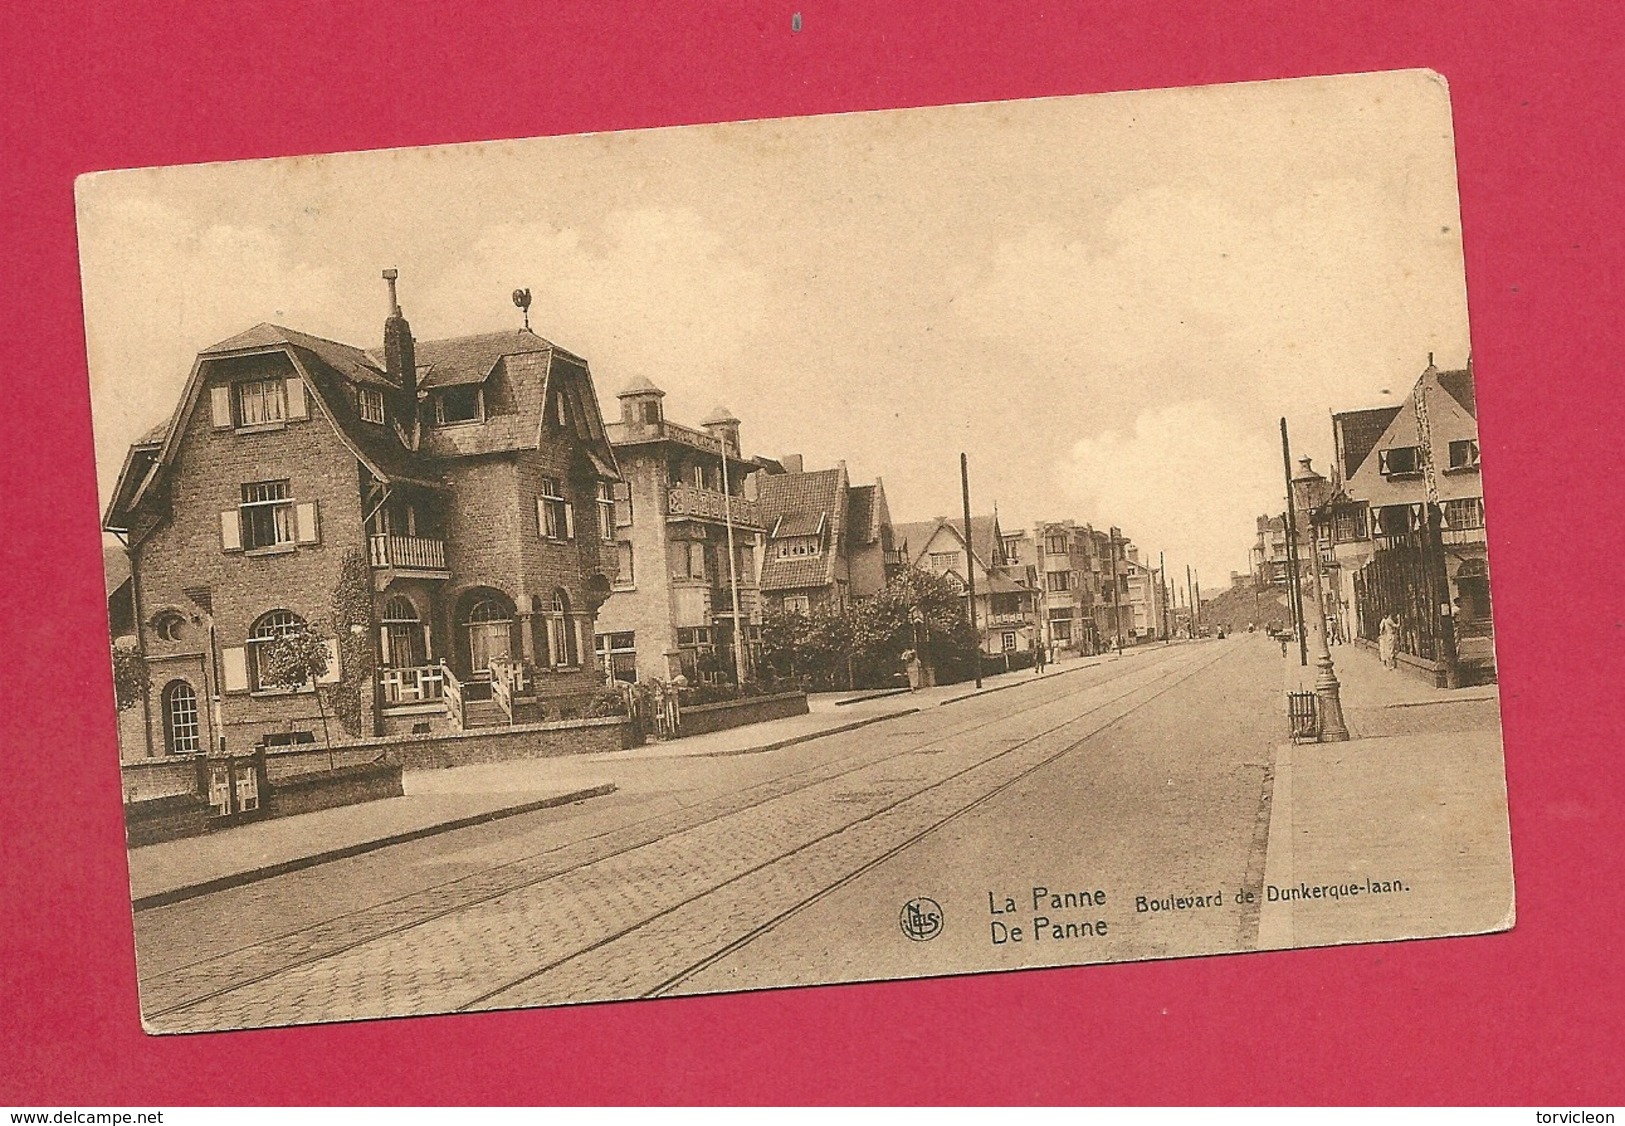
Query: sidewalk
[439, 801]
[1410, 814]
[175, 870]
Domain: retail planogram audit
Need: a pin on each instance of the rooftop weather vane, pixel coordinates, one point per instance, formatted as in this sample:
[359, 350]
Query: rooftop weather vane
[521, 298]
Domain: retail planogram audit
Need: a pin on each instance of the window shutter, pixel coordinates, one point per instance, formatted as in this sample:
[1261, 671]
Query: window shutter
[296, 398]
[309, 524]
[569, 520]
[220, 400]
[231, 530]
[234, 666]
[335, 669]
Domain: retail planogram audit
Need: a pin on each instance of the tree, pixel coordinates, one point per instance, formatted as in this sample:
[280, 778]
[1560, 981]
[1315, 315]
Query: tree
[293, 660]
[863, 644]
[131, 679]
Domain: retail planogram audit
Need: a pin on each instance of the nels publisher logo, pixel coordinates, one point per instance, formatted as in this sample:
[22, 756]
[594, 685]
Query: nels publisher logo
[921, 919]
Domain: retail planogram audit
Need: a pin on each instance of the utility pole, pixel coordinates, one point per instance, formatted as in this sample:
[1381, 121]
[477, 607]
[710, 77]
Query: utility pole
[1162, 594]
[733, 573]
[1296, 583]
[970, 562]
[1190, 601]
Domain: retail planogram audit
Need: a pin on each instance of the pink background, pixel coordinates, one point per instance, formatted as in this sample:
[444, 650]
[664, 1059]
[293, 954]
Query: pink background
[1533, 1016]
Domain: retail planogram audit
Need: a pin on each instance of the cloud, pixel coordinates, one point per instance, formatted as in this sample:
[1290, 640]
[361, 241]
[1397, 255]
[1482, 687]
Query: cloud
[158, 288]
[1188, 479]
[650, 291]
[1180, 293]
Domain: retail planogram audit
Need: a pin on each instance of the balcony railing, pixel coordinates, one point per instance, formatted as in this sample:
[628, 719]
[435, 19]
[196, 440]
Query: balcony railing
[423, 685]
[409, 553]
[688, 502]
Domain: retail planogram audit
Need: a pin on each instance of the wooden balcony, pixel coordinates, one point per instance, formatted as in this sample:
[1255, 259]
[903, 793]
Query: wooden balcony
[408, 553]
[685, 502]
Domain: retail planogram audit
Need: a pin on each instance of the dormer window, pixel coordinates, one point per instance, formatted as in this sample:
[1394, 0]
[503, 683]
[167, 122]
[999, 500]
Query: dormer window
[797, 547]
[369, 404]
[458, 404]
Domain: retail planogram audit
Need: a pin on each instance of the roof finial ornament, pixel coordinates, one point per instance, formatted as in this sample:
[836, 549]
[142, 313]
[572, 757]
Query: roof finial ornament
[394, 306]
[521, 298]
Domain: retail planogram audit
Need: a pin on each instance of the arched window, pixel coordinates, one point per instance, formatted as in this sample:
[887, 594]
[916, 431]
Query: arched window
[402, 639]
[182, 735]
[269, 627]
[562, 646]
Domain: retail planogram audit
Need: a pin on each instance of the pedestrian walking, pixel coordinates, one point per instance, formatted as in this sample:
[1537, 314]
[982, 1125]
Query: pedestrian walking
[1386, 640]
[1039, 657]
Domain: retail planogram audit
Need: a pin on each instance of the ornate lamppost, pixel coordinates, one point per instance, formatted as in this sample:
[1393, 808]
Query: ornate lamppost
[1311, 492]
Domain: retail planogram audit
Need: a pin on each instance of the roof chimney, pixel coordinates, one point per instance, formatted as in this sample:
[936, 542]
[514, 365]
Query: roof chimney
[400, 358]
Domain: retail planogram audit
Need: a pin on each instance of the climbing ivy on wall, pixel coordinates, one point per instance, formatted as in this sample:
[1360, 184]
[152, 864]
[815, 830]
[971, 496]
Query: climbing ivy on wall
[354, 627]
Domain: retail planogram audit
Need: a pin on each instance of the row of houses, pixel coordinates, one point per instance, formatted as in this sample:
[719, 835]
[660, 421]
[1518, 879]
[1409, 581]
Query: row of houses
[486, 533]
[1377, 552]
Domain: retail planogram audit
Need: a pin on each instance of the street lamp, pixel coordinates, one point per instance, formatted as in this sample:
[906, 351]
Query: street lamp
[1311, 492]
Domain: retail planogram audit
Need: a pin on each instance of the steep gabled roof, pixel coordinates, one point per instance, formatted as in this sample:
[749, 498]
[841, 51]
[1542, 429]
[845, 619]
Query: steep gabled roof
[348, 361]
[914, 537]
[1459, 386]
[464, 360]
[329, 369]
[805, 502]
[860, 515]
[1361, 430]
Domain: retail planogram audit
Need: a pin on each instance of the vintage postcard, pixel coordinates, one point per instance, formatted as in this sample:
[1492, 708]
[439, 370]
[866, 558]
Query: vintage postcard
[800, 551]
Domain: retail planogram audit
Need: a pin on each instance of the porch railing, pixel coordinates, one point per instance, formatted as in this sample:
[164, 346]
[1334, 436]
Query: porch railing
[417, 553]
[420, 685]
[453, 694]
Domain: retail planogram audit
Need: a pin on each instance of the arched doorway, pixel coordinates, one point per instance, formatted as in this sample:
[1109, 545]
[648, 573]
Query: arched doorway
[485, 628]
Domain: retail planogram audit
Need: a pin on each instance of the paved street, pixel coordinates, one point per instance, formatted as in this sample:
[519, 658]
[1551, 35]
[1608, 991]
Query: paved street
[1147, 776]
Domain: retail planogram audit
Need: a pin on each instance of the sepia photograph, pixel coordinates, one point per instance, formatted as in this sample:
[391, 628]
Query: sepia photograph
[795, 552]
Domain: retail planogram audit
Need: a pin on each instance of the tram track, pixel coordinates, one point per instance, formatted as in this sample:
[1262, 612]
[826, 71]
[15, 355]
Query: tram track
[194, 984]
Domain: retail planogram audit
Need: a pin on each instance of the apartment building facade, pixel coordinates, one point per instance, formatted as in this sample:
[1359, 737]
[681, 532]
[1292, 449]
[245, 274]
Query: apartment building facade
[428, 508]
[689, 538]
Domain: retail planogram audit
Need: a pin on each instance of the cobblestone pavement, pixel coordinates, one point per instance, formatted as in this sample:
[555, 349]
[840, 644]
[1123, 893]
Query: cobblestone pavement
[655, 890]
[1172, 802]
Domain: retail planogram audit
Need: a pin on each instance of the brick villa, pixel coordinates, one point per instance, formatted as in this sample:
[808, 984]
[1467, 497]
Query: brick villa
[470, 482]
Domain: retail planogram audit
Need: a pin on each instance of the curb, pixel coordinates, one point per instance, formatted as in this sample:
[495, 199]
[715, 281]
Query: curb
[873, 696]
[1016, 683]
[810, 736]
[282, 868]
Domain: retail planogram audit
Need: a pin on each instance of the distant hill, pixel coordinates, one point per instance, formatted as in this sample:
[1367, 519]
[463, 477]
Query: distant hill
[1238, 606]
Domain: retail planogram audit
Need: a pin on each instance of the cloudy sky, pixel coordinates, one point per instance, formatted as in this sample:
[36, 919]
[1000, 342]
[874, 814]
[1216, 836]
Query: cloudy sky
[1107, 302]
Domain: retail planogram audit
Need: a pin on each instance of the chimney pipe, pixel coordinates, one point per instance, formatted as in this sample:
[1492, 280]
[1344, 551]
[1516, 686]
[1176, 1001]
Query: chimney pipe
[400, 355]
